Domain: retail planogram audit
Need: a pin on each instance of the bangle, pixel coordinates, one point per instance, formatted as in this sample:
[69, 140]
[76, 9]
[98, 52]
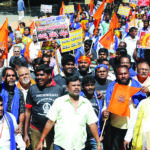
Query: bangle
[98, 144]
[42, 140]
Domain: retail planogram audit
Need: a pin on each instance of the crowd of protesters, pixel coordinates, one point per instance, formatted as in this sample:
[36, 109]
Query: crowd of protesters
[50, 99]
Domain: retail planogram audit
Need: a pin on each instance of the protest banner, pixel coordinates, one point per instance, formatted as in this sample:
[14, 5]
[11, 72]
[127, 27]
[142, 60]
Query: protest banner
[134, 2]
[73, 42]
[123, 10]
[56, 27]
[143, 3]
[46, 45]
[87, 1]
[68, 9]
[46, 8]
[125, 1]
[145, 40]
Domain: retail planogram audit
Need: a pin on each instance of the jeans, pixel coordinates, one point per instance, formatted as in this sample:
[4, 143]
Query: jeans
[56, 147]
[91, 144]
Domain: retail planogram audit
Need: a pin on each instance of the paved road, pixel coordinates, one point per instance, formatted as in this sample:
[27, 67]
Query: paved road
[12, 14]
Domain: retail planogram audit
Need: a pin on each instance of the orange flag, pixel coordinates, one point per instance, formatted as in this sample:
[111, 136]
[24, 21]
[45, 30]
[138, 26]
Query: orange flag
[61, 8]
[79, 8]
[119, 102]
[98, 15]
[99, 11]
[32, 27]
[4, 38]
[109, 1]
[18, 28]
[107, 39]
[114, 22]
[91, 6]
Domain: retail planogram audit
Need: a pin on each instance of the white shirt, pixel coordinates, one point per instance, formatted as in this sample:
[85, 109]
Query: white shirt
[34, 49]
[10, 53]
[5, 138]
[131, 46]
[70, 123]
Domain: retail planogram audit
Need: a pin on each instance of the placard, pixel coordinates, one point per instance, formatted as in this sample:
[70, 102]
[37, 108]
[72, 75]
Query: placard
[74, 42]
[143, 3]
[145, 40]
[125, 1]
[87, 1]
[134, 2]
[46, 45]
[68, 9]
[56, 27]
[46, 8]
[123, 10]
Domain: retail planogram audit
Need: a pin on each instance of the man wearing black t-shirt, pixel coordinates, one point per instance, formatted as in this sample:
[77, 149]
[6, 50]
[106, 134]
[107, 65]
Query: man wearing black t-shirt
[40, 97]
[101, 73]
[89, 92]
[68, 69]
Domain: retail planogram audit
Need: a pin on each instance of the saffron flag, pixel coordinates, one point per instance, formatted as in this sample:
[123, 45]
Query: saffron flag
[4, 38]
[18, 28]
[109, 1]
[61, 9]
[91, 6]
[98, 15]
[107, 39]
[32, 27]
[114, 24]
[99, 11]
[119, 103]
[79, 8]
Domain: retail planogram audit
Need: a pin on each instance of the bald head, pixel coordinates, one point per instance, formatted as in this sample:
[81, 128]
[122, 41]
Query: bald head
[143, 70]
[24, 75]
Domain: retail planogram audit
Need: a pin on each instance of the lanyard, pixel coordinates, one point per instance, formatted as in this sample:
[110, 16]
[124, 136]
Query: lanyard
[2, 128]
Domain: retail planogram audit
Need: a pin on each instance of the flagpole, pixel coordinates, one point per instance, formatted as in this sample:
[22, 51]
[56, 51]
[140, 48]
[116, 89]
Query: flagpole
[103, 127]
[57, 62]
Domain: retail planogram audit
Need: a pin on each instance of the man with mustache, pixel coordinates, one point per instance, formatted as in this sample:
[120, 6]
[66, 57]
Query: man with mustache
[84, 67]
[142, 77]
[70, 114]
[25, 80]
[40, 98]
[89, 92]
[119, 124]
[14, 100]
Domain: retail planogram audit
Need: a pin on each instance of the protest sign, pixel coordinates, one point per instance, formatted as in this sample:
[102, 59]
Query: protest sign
[145, 40]
[125, 1]
[68, 9]
[87, 1]
[52, 28]
[134, 2]
[143, 3]
[123, 10]
[73, 42]
[46, 8]
[46, 45]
